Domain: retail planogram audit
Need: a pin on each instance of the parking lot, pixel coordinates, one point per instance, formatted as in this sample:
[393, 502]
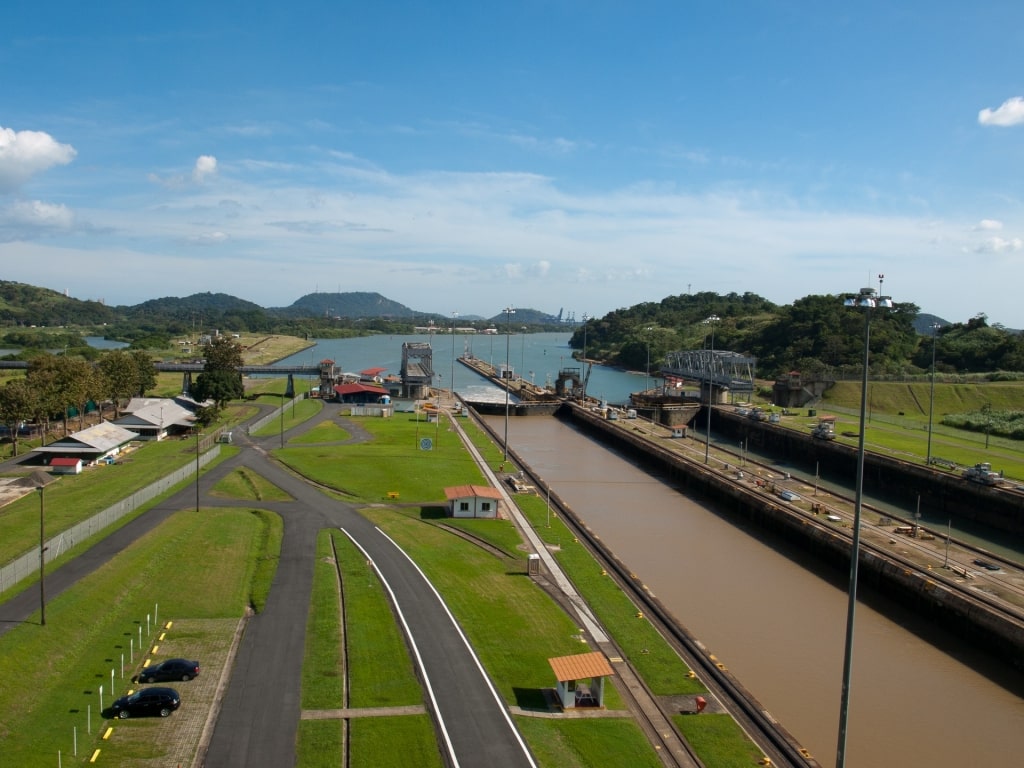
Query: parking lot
[174, 740]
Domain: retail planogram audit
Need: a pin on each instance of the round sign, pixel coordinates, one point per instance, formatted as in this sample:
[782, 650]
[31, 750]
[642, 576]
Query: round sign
[426, 444]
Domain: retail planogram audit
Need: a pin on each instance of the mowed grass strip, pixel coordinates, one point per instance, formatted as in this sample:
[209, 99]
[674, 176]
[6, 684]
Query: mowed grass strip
[379, 666]
[394, 742]
[325, 432]
[392, 461]
[323, 669]
[586, 743]
[720, 736]
[244, 483]
[294, 414]
[320, 744]
[194, 565]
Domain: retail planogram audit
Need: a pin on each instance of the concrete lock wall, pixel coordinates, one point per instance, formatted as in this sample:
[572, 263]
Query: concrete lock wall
[921, 591]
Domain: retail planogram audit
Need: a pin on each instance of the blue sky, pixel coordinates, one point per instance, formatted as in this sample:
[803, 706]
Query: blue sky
[465, 156]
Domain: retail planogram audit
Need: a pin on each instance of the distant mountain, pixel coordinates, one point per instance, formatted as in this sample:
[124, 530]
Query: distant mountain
[199, 303]
[523, 316]
[353, 304]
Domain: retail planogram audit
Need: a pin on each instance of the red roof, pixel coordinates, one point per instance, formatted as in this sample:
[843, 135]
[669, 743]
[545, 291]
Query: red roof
[371, 372]
[62, 461]
[465, 491]
[351, 389]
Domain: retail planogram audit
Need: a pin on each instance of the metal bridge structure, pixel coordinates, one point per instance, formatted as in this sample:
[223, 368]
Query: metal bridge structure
[716, 370]
[417, 368]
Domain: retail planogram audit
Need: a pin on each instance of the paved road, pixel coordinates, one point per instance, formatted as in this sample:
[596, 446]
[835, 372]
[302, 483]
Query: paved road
[259, 717]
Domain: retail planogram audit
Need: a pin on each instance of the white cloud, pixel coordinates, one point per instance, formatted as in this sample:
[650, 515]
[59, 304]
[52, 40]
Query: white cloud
[999, 245]
[205, 166]
[988, 225]
[208, 238]
[23, 154]
[1010, 112]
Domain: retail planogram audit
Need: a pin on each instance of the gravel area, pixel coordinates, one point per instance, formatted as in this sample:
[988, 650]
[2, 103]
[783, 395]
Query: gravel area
[209, 641]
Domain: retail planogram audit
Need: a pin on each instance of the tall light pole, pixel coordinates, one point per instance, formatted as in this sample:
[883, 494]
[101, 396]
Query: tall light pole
[522, 352]
[42, 560]
[509, 311]
[198, 433]
[867, 300]
[711, 386]
[452, 380]
[931, 398]
[584, 368]
[647, 380]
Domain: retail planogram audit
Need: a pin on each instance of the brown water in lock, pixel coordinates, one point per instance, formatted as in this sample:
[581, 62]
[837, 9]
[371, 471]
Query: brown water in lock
[779, 627]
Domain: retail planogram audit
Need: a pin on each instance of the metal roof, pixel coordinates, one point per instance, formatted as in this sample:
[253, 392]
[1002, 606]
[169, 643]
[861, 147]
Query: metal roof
[582, 666]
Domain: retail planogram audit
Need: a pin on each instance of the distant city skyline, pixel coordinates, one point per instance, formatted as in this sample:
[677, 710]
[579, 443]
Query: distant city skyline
[567, 154]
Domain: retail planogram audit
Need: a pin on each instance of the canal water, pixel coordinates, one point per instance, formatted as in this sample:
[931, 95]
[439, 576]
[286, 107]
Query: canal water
[918, 698]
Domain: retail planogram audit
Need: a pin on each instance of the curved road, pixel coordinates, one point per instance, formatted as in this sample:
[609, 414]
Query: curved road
[259, 716]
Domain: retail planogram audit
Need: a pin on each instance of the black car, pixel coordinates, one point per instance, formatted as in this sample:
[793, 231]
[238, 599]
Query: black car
[172, 669]
[986, 565]
[147, 701]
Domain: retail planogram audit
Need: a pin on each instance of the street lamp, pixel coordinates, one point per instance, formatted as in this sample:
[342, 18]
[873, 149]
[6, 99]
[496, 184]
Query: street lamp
[509, 311]
[198, 434]
[42, 555]
[867, 300]
[711, 386]
[452, 380]
[647, 380]
[584, 368]
[522, 352]
[931, 398]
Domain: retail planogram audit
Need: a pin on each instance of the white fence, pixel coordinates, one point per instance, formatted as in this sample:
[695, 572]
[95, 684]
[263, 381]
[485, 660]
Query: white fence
[28, 564]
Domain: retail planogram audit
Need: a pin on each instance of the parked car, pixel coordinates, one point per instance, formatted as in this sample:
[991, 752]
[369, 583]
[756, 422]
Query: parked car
[986, 565]
[147, 702]
[165, 671]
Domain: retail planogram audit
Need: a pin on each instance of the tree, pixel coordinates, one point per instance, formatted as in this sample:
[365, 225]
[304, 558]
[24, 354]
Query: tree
[119, 377]
[16, 406]
[220, 380]
[145, 371]
[42, 378]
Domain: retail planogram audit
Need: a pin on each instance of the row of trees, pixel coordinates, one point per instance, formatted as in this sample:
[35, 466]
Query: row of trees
[56, 384]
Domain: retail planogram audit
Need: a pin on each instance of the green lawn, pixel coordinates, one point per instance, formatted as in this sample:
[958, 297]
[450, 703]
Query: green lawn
[393, 461]
[74, 498]
[51, 673]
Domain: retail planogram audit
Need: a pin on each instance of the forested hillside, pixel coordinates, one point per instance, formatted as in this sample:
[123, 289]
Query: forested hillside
[814, 335]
